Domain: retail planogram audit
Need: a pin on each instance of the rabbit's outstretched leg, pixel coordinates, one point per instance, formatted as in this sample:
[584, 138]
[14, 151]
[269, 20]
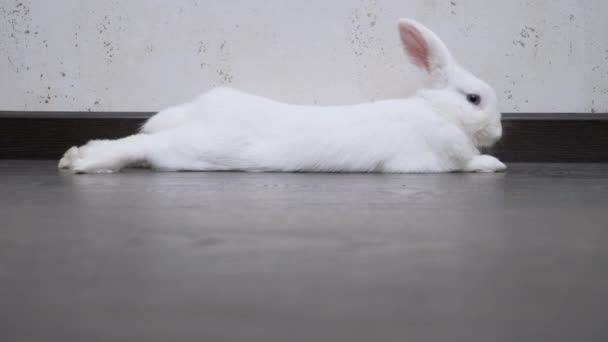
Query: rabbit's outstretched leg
[159, 151]
[485, 164]
[107, 156]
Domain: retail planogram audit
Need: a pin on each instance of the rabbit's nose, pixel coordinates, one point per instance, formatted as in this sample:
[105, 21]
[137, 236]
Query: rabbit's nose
[495, 131]
[498, 132]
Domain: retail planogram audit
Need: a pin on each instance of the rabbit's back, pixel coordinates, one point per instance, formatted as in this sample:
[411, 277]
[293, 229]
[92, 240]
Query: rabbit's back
[243, 131]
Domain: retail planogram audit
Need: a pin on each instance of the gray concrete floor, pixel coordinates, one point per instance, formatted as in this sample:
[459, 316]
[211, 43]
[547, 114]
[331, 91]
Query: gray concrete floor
[144, 256]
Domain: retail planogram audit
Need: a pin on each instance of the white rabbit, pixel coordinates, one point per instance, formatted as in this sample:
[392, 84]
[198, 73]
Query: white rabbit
[439, 129]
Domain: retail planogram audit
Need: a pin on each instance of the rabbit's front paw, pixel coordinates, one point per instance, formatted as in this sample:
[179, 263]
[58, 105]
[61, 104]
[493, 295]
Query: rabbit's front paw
[485, 164]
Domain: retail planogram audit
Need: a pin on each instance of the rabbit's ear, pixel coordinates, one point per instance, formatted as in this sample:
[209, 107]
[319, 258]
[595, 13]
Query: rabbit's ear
[424, 47]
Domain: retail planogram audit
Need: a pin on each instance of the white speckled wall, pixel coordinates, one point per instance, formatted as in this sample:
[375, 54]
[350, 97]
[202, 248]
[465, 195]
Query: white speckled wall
[143, 55]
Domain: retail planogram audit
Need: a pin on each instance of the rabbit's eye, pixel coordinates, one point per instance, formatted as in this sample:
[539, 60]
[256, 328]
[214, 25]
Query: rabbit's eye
[474, 99]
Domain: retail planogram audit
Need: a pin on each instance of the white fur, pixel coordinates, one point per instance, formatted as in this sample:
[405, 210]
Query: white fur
[436, 130]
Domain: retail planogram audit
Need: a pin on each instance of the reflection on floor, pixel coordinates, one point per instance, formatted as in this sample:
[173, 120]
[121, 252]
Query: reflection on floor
[144, 256]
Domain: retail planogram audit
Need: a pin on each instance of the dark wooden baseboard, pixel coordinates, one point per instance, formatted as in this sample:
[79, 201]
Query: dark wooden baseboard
[528, 137]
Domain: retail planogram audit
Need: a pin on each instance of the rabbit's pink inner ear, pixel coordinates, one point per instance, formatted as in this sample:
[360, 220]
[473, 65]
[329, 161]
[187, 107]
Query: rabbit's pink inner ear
[416, 46]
